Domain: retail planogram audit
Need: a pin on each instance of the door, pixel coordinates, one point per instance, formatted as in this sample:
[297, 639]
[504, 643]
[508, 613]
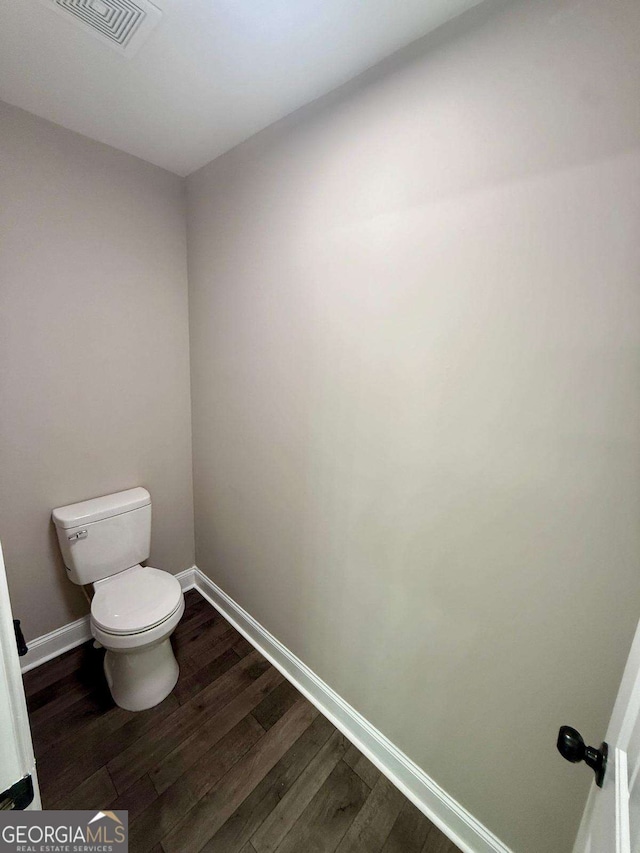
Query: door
[18, 784]
[611, 821]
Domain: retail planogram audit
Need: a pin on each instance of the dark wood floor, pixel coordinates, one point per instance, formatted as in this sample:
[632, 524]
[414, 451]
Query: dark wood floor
[235, 760]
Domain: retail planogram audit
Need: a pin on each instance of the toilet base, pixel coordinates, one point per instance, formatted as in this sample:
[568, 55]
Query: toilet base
[142, 678]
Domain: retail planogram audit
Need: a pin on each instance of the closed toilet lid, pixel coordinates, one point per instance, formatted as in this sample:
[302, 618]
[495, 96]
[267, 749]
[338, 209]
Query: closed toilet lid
[135, 600]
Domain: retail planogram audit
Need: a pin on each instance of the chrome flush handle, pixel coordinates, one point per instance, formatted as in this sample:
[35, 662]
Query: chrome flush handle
[79, 534]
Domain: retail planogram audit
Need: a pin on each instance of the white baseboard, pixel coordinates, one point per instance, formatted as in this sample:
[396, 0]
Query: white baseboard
[74, 634]
[55, 643]
[187, 578]
[445, 812]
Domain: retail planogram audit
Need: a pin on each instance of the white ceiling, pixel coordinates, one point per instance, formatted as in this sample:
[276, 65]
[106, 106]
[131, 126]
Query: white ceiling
[212, 73]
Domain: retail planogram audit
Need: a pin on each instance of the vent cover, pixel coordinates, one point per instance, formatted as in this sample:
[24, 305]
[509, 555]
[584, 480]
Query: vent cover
[122, 24]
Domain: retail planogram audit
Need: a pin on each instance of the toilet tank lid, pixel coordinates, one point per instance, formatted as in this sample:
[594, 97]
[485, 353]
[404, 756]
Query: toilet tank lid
[86, 512]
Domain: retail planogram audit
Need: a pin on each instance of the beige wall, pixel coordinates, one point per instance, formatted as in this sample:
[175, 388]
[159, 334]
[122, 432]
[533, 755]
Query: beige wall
[415, 332]
[94, 382]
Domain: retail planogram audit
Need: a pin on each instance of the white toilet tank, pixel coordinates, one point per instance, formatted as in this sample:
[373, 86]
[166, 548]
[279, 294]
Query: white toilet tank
[103, 536]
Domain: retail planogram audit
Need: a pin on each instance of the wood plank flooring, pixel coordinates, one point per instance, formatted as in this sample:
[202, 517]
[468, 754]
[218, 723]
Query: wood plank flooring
[235, 760]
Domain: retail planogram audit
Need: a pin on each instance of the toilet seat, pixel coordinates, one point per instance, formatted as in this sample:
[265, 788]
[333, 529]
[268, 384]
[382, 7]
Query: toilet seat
[143, 640]
[135, 601]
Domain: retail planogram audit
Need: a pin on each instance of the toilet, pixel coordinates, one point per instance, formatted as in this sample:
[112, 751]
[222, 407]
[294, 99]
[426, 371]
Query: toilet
[135, 608]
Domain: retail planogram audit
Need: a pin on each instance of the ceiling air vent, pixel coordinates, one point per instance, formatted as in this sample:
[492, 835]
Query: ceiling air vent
[122, 24]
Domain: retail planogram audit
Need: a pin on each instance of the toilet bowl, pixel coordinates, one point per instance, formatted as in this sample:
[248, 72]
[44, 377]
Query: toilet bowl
[133, 615]
[135, 608]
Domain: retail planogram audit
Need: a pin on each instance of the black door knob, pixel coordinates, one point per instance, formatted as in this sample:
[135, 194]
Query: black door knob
[572, 747]
[20, 643]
